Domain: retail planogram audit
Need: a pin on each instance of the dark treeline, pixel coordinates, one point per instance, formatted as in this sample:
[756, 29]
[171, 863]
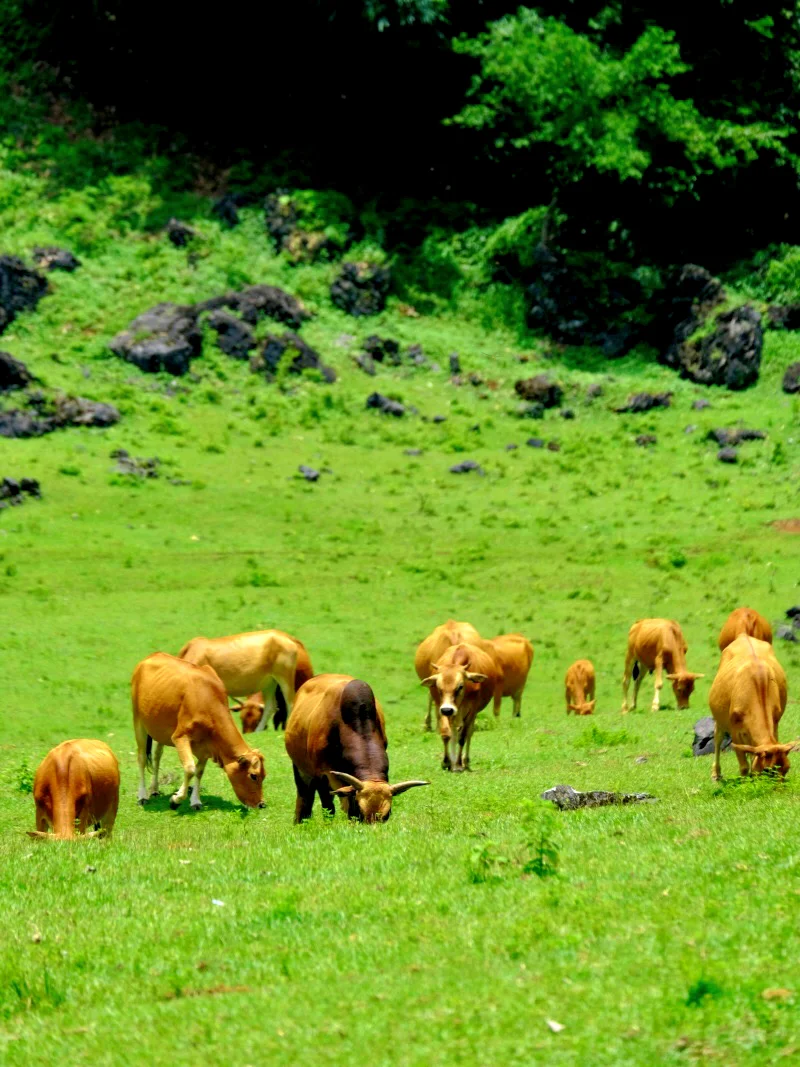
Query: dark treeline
[654, 131]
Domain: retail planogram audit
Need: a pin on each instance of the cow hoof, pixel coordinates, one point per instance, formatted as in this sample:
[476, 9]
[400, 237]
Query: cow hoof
[196, 807]
[457, 769]
[262, 804]
[173, 803]
[142, 801]
[155, 793]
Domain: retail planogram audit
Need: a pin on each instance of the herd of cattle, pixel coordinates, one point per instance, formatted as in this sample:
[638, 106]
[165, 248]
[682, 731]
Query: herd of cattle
[335, 732]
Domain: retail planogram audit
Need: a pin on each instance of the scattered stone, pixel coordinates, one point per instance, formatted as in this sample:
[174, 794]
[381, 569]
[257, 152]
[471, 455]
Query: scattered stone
[796, 623]
[20, 289]
[466, 466]
[455, 363]
[308, 473]
[511, 448]
[416, 356]
[727, 455]
[530, 411]
[165, 337]
[78, 411]
[729, 355]
[734, 437]
[792, 613]
[384, 404]
[412, 452]
[785, 633]
[234, 337]
[567, 799]
[703, 744]
[139, 468]
[691, 428]
[361, 288]
[13, 492]
[553, 446]
[47, 415]
[594, 391]
[475, 379]
[13, 373]
[304, 357]
[784, 316]
[180, 233]
[641, 402]
[226, 209]
[382, 349]
[53, 258]
[640, 759]
[567, 413]
[535, 442]
[344, 340]
[439, 418]
[644, 440]
[701, 404]
[365, 362]
[541, 389]
[258, 301]
[791, 379]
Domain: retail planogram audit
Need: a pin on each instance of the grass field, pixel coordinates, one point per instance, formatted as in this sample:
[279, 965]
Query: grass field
[665, 933]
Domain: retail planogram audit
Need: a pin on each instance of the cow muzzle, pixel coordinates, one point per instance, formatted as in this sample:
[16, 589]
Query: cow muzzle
[447, 710]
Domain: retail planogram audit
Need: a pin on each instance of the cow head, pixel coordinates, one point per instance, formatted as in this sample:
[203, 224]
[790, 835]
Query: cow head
[771, 757]
[251, 712]
[586, 707]
[683, 686]
[369, 801]
[450, 684]
[246, 775]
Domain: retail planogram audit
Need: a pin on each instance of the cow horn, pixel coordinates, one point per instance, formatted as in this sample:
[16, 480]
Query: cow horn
[96, 833]
[402, 786]
[475, 676]
[355, 782]
[37, 833]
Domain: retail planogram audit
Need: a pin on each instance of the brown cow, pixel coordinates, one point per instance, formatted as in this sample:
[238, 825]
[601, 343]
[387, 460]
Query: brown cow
[514, 655]
[657, 645]
[464, 681]
[434, 646]
[744, 621]
[251, 711]
[178, 704]
[76, 780]
[579, 684]
[259, 660]
[336, 734]
[747, 700]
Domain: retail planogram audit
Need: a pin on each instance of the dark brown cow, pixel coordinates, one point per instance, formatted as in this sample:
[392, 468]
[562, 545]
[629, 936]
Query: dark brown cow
[744, 621]
[336, 734]
[657, 645]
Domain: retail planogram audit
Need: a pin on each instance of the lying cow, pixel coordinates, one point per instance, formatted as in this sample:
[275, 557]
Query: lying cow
[744, 621]
[336, 734]
[178, 704]
[76, 780]
[251, 711]
[465, 679]
[436, 644]
[657, 645]
[747, 700]
[262, 660]
[514, 655]
[579, 685]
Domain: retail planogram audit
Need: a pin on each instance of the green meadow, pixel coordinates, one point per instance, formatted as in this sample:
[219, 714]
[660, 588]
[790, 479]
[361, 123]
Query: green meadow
[478, 926]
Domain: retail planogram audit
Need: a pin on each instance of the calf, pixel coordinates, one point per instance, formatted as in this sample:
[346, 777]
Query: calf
[744, 621]
[747, 700]
[514, 655]
[579, 684]
[657, 645]
[178, 704]
[251, 710]
[76, 780]
[336, 734]
[465, 680]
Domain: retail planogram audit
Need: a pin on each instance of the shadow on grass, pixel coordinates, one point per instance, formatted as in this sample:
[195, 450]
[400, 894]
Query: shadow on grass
[210, 803]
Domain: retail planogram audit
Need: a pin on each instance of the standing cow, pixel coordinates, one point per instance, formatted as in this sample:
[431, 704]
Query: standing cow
[251, 711]
[657, 645]
[465, 679]
[744, 621]
[337, 734]
[514, 655]
[437, 643]
[747, 700]
[579, 683]
[76, 780]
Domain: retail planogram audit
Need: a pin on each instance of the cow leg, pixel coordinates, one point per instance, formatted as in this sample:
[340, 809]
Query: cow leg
[183, 747]
[716, 770]
[498, 700]
[626, 681]
[325, 796]
[446, 733]
[42, 822]
[141, 757]
[463, 741]
[287, 690]
[637, 684]
[270, 705]
[469, 731]
[156, 765]
[195, 802]
[659, 682]
[744, 766]
[108, 820]
[517, 709]
[305, 796]
[428, 715]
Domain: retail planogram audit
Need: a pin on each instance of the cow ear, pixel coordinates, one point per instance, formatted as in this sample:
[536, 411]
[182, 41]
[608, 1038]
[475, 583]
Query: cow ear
[345, 791]
[473, 676]
[430, 681]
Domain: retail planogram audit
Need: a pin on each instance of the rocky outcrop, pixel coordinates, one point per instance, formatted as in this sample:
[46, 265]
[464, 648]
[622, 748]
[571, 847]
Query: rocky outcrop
[52, 258]
[361, 289]
[234, 337]
[20, 289]
[791, 379]
[180, 233]
[13, 373]
[540, 389]
[641, 402]
[290, 353]
[385, 404]
[729, 355]
[45, 414]
[166, 337]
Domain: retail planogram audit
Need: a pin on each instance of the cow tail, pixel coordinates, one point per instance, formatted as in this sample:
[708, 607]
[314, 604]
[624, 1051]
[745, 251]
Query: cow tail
[280, 716]
[149, 753]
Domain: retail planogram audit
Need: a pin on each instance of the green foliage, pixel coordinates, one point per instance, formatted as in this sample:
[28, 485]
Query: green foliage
[539, 822]
[24, 778]
[596, 737]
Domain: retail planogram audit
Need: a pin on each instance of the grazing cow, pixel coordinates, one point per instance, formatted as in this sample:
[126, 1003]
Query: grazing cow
[579, 684]
[178, 704]
[747, 700]
[514, 655]
[434, 646]
[657, 645]
[744, 621]
[76, 780]
[260, 660]
[464, 681]
[336, 734]
[251, 710]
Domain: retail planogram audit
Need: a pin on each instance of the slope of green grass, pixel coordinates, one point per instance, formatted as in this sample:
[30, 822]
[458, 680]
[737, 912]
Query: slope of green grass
[430, 940]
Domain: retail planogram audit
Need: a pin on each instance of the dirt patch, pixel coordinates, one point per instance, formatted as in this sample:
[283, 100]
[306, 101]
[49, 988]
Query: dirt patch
[213, 991]
[787, 525]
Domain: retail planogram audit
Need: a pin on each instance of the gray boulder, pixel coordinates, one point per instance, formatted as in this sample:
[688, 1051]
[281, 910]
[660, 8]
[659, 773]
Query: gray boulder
[165, 337]
[568, 799]
[703, 743]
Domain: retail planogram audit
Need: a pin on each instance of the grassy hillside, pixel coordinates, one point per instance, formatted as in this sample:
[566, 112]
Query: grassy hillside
[423, 941]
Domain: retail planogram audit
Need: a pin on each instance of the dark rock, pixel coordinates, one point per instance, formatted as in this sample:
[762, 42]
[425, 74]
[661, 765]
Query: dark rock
[791, 379]
[690, 295]
[365, 362]
[287, 233]
[595, 390]
[256, 301]
[13, 492]
[511, 448]
[785, 633]
[703, 744]
[16, 423]
[139, 468]
[20, 289]
[641, 402]
[701, 404]
[382, 348]
[78, 411]
[567, 413]
[535, 442]
[53, 258]
[792, 613]
[361, 288]
[165, 337]
[540, 389]
[439, 418]
[567, 799]
[225, 209]
[530, 411]
[308, 473]
[691, 428]
[180, 233]
[234, 337]
[31, 487]
[47, 415]
[646, 439]
[304, 357]
[730, 355]
[13, 373]
[475, 379]
[734, 437]
[727, 455]
[455, 363]
[415, 355]
[466, 466]
[412, 452]
[796, 623]
[384, 404]
[553, 446]
[617, 343]
[784, 316]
